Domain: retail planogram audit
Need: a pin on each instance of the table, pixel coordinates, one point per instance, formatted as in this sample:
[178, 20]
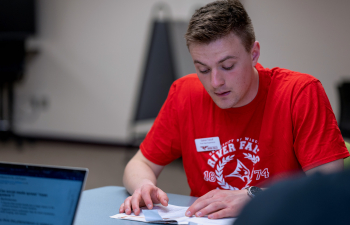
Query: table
[97, 205]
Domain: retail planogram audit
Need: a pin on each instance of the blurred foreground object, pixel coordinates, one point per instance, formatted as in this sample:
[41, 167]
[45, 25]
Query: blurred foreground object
[318, 199]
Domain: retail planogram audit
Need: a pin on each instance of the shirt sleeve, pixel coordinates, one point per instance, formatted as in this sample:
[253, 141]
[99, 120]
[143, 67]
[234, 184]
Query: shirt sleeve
[317, 138]
[162, 143]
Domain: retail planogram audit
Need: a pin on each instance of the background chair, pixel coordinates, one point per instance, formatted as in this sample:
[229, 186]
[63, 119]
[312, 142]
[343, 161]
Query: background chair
[347, 160]
[344, 121]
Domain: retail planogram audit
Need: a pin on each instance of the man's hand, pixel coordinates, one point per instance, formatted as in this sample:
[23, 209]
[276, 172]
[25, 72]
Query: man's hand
[219, 204]
[146, 195]
[140, 178]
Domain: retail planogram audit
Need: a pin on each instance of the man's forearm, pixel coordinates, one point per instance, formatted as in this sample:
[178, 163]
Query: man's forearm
[137, 174]
[140, 171]
[140, 178]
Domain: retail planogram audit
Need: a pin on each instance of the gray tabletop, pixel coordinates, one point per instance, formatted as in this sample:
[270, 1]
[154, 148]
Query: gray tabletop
[97, 205]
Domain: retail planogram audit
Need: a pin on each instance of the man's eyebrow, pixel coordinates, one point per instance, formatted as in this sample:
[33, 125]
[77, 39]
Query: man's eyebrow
[196, 61]
[222, 60]
[228, 57]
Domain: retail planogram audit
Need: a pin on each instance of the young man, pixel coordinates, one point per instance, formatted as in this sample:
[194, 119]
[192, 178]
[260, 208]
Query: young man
[234, 123]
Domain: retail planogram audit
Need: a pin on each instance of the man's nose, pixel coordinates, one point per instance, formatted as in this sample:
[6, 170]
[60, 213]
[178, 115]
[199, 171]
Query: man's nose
[217, 79]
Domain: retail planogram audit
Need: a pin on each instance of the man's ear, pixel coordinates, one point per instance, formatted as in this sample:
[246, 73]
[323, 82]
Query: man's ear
[255, 53]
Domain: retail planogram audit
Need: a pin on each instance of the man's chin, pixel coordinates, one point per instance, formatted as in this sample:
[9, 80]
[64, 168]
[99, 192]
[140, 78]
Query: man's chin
[224, 105]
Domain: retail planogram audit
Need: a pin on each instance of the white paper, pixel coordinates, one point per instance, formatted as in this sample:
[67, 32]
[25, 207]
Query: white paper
[172, 212]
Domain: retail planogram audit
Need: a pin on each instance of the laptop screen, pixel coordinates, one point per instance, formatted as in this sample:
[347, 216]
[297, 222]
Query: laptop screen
[39, 195]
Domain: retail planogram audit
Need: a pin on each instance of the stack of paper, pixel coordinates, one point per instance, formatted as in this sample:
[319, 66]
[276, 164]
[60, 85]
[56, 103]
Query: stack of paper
[170, 215]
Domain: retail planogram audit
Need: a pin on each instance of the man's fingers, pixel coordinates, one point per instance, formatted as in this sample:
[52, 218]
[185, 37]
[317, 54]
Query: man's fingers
[135, 203]
[121, 208]
[146, 196]
[227, 212]
[208, 195]
[127, 205]
[199, 204]
[162, 197]
[212, 207]
[159, 196]
[220, 204]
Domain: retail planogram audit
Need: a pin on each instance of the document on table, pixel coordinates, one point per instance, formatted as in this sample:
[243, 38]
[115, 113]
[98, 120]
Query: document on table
[171, 214]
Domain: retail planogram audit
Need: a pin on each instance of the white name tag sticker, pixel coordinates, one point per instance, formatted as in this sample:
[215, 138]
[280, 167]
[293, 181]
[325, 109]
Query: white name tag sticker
[207, 144]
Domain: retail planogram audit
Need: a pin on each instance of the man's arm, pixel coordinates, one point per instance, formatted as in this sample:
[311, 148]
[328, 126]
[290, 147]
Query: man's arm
[140, 179]
[331, 167]
[140, 170]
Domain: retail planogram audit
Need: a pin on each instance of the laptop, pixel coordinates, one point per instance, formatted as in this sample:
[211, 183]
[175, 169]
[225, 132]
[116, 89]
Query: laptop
[38, 194]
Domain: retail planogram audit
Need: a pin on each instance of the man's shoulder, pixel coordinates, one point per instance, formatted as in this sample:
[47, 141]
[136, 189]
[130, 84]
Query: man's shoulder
[188, 91]
[292, 78]
[286, 78]
[188, 84]
[190, 79]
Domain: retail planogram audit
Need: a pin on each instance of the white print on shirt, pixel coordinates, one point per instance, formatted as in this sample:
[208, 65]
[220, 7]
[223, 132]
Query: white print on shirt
[241, 171]
[226, 154]
[264, 173]
[209, 176]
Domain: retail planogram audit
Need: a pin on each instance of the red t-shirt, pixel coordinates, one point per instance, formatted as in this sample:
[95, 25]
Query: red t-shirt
[288, 126]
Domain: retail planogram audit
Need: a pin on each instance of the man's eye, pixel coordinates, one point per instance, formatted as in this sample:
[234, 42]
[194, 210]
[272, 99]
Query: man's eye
[204, 71]
[227, 68]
